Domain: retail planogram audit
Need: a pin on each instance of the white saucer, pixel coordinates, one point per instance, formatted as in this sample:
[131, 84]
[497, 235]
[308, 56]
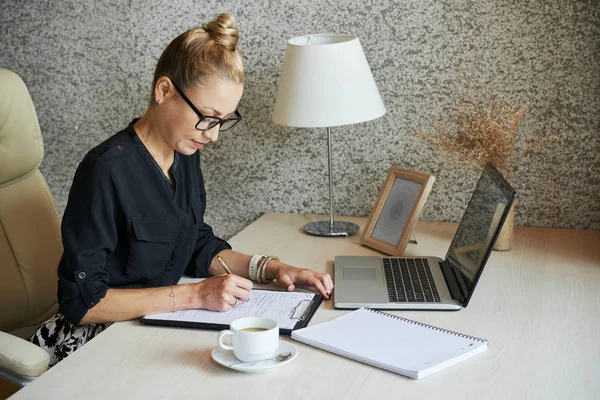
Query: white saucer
[227, 359]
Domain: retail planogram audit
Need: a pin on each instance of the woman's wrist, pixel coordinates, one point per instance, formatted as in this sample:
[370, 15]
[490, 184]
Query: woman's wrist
[187, 296]
[272, 269]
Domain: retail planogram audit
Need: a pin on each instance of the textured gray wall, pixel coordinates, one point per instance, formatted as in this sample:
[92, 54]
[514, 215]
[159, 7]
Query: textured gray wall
[88, 66]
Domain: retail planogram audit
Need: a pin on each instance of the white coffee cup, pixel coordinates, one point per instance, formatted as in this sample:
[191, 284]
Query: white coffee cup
[252, 338]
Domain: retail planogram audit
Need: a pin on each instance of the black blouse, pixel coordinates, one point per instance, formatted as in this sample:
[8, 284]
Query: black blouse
[127, 226]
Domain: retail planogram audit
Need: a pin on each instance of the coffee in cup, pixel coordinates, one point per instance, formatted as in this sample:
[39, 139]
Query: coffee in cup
[254, 329]
[252, 338]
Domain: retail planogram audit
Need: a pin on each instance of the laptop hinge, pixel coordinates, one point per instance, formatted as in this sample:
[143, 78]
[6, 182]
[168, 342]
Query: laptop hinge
[457, 291]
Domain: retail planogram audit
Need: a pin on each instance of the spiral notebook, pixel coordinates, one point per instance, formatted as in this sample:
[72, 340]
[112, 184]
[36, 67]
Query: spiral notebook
[393, 343]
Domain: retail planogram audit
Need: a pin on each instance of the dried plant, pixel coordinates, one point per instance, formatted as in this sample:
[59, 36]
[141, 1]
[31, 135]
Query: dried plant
[477, 133]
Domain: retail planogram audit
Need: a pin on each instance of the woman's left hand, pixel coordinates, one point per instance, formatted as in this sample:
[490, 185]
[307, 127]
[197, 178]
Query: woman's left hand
[288, 277]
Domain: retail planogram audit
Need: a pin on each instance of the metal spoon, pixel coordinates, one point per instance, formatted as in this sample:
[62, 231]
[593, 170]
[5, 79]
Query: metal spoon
[279, 358]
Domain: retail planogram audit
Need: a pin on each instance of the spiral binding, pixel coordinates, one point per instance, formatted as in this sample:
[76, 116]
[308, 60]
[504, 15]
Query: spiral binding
[435, 328]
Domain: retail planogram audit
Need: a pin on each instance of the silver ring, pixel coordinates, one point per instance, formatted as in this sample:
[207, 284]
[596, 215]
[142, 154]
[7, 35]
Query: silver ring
[236, 302]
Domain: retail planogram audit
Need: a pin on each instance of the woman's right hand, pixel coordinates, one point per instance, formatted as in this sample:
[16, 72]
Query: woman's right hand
[219, 293]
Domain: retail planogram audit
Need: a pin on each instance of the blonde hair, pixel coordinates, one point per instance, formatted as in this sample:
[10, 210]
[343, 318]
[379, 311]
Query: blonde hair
[201, 52]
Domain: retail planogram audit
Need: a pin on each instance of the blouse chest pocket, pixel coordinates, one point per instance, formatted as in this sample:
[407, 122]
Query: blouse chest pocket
[152, 245]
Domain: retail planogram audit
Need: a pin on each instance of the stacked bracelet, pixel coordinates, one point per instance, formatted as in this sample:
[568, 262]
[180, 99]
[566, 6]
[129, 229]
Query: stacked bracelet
[262, 268]
[253, 266]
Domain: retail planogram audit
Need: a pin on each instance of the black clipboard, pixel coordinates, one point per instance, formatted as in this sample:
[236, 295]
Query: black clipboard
[302, 321]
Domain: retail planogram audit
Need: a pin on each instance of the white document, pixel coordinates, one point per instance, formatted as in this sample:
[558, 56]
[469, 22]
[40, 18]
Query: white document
[287, 308]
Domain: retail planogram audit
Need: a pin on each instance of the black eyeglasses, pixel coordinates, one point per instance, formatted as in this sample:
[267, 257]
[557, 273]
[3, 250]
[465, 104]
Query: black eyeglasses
[206, 122]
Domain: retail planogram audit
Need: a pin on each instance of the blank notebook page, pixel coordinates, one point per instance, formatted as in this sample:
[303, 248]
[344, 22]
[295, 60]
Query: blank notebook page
[390, 342]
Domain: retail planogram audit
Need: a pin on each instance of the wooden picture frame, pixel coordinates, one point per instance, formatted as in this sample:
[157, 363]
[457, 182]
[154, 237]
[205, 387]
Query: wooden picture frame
[397, 210]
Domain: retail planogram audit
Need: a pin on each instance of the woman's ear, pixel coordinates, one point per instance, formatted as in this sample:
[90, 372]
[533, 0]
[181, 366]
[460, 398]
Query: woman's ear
[163, 90]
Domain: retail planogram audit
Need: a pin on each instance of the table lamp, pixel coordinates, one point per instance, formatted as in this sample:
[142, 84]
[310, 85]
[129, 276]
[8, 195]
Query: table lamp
[325, 82]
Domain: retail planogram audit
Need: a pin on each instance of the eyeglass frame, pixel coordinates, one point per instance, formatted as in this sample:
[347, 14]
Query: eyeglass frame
[219, 121]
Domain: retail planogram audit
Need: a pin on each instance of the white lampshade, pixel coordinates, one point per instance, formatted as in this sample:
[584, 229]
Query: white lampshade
[326, 81]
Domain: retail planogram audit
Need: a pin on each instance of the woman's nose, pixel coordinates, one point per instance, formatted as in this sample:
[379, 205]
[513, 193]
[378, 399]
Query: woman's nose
[213, 133]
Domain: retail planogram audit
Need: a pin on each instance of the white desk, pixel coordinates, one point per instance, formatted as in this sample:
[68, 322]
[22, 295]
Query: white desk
[538, 305]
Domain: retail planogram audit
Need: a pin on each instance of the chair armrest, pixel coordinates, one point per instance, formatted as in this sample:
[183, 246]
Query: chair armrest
[22, 357]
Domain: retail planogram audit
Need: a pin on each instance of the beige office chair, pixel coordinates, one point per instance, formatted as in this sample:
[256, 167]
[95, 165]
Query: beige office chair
[30, 242]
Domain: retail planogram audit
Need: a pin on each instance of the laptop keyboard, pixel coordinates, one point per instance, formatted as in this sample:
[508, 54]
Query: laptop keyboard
[410, 280]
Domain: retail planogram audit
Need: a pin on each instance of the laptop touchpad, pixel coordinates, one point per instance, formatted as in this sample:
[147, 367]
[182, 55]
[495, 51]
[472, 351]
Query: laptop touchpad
[360, 273]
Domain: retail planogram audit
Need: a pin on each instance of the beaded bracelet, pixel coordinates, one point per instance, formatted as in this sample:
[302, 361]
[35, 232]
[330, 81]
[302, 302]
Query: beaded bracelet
[262, 269]
[253, 266]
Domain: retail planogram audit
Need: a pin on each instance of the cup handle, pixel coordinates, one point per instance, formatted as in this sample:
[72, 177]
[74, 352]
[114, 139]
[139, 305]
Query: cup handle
[222, 334]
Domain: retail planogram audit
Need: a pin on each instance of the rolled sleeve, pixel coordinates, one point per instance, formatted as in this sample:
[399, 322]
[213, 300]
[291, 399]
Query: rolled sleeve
[89, 233]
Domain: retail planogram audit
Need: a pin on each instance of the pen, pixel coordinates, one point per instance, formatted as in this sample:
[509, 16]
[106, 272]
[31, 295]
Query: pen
[224, 265]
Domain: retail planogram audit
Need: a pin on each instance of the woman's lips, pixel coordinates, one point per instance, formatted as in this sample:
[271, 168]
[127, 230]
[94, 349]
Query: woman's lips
[198, 145]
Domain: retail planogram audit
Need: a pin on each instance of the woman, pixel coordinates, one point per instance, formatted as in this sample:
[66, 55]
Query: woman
[134, 223]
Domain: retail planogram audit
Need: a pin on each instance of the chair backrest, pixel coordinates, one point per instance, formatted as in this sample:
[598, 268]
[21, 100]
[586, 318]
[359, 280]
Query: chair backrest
[30, 241]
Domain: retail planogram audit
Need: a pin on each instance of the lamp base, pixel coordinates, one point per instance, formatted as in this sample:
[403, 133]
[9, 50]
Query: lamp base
[323, 228]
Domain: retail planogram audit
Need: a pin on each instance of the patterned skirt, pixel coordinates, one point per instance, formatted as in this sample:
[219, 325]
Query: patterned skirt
[59, 338]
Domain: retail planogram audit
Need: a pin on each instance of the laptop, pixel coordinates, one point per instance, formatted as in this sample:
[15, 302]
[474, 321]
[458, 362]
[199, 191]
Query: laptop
[430, 283]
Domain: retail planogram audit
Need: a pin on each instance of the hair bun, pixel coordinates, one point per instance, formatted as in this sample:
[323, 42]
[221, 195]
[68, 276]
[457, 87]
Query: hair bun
[223, 31]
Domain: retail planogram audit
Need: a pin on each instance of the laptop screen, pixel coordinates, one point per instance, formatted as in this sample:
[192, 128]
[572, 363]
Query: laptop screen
[479, 228]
